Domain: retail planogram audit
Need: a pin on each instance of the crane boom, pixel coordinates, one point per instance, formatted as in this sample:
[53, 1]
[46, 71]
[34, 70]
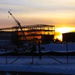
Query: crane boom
[18, 23]
[30, 44]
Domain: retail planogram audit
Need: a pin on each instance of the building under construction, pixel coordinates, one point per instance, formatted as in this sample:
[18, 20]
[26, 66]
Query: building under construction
[18, 35]
[40, 32]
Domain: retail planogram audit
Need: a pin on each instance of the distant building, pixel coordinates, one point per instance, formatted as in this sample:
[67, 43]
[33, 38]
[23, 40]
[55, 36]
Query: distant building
[68, 37]
[40, 32]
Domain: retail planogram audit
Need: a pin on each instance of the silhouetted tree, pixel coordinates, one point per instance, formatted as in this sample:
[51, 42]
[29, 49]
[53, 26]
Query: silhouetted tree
[57, 40]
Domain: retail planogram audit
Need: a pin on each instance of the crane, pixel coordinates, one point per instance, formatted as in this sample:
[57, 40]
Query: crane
[18, 23]
[32, 44]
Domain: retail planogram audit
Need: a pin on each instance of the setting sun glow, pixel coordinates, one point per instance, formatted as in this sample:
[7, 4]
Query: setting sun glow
[63, 30]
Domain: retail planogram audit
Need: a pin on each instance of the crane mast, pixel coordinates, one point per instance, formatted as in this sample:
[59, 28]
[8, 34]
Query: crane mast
[18, 23]
[30, 43]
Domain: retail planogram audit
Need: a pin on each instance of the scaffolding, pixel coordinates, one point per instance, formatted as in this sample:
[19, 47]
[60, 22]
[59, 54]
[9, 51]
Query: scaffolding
[41, 32]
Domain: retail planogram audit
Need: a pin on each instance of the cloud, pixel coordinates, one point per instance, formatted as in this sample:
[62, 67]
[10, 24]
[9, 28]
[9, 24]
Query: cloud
[41, 5]
[40, 11]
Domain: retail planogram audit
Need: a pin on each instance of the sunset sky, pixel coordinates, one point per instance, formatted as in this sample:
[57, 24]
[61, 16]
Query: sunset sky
[60, 13]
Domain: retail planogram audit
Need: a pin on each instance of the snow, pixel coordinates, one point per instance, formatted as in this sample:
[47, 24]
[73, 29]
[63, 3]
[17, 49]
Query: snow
[58, 47]
[53, 68]
[47, 64]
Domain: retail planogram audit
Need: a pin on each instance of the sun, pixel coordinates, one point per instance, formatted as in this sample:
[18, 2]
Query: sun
[63, 30]
[58, 37]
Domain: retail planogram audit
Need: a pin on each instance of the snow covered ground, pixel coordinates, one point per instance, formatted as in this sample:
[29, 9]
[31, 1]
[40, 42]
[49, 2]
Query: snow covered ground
[47, 64]
[55, 65]
[58, 47]
[53, 68]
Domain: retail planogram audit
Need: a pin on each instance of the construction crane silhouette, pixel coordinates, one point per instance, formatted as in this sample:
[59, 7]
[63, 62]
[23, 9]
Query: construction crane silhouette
[32, 44]
[18, 23]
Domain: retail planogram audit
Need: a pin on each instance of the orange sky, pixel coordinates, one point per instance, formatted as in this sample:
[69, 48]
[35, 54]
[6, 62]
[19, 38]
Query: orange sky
[60, 13]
